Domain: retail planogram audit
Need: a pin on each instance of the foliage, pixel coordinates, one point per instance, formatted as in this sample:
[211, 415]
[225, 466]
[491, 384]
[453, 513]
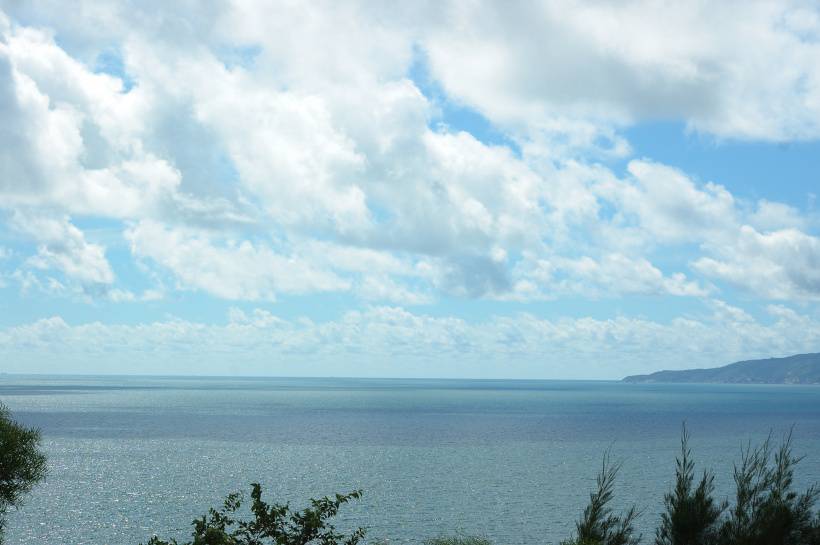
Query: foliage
[767, 510]
[22, 465]
[598, 524]
[272, 524]
[691, 514]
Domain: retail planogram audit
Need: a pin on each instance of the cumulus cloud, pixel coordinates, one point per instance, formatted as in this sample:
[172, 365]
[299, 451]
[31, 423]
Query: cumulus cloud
[762, 248]
[251, 157]
[127, 296]
[770, 216]
[783, 264]
[70, 137]
[611, 274]
[75, 140]
[545, 65]
[668, 206]
[61, 246]
[230, 269]
[393, 341]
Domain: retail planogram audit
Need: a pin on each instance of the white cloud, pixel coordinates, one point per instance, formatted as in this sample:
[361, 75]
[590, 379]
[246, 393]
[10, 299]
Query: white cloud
[61, 246]
[54, 110]
[769, 216]
[782, 264]
[287, 151]
[612, 274]
[393, 341]
[375, 275]
[668, 206]
[763, 249]
[240, 270]
[126, 296]
[74, 140]
[248, 162]
[231, 269]
[544, 65]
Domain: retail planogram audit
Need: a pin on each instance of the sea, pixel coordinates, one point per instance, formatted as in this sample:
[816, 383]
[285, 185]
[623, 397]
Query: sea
[513, 461]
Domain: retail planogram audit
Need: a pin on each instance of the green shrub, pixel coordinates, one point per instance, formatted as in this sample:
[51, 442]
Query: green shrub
[691, 513]
[598, 524]
[22, 465]
[767, 509]
[272, 524]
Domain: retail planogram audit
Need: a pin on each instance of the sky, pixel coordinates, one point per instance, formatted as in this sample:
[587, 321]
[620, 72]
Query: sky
[560, 190]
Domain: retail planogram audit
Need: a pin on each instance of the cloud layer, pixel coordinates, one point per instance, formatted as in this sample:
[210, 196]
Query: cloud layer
[390, 341]
[250, 151]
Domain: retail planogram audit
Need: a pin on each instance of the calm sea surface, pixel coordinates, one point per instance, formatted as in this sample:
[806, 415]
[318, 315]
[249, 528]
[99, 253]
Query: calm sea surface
[511, 460]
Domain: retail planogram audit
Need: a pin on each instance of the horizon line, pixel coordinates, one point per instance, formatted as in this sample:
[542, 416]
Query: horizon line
[326, 377]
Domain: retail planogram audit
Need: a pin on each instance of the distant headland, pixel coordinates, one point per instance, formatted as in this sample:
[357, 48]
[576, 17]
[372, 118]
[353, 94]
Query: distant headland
[798, 369]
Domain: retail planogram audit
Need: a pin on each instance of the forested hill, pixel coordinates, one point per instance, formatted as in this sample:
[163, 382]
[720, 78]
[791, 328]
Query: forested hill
[799, 369]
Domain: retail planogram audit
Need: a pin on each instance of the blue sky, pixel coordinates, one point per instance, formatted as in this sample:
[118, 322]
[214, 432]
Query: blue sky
[550, 190]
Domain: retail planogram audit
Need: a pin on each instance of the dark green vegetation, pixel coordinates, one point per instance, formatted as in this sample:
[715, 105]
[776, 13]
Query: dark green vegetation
[598, 524]
[22, 465]
[766, 510]
[275, 524]
[691, 514]
[799, 369]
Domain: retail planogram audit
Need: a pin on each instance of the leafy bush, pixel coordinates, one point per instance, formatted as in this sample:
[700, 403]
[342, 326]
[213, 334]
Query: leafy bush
[767, 510]
[22, 465]
[272, 524]
[598, 524]
[691, 514]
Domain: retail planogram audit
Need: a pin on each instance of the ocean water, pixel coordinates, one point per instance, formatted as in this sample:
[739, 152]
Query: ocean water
[510, 460]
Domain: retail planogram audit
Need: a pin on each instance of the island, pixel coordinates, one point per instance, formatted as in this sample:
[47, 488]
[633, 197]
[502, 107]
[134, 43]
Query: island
[797, 369]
